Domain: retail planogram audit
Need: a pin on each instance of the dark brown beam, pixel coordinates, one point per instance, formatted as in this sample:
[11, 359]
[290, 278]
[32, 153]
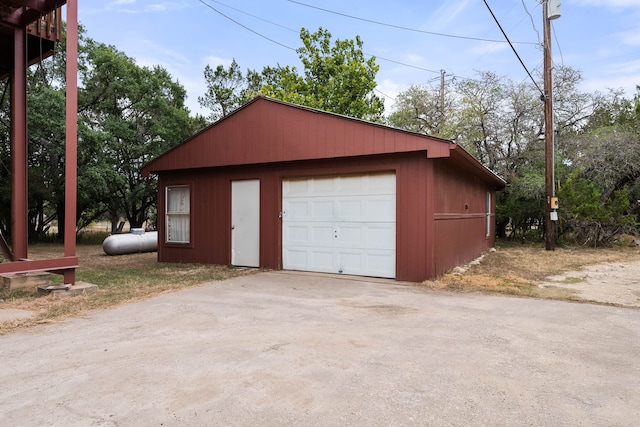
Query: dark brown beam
[53, 265]
[71, 149]
[19, 189]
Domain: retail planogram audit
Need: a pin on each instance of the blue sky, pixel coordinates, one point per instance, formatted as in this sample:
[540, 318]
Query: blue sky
[599, 37]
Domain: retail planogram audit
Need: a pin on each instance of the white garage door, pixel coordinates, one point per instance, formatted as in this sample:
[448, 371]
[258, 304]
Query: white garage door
[340, 224]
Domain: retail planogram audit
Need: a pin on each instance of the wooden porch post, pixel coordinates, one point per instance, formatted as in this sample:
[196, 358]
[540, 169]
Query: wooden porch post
[19, 150]
[71, 148]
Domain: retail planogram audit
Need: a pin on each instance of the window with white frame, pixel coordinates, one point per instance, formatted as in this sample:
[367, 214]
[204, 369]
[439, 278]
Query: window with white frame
[178, 209]
[488, 214]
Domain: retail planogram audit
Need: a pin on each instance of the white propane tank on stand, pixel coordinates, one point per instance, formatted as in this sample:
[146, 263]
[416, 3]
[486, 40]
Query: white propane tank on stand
[137, 241]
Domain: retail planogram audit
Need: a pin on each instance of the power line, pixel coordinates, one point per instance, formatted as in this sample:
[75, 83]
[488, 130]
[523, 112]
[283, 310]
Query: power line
[403, 28]
[532, 23]
[254, 16]
[555, 36]
[385, 95]
[298, 32]
[402, 63]
[245, 27]
[512, 47]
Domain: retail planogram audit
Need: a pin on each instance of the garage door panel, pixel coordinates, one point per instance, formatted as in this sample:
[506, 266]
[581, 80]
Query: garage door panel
[321, 235]
[365, 236]
[350, 235]
[322, 260]
[380, 184]
[297, 209]
[295, 187]
[366, 263]
[322, 210]
[347, 224]
[382, 208]
[381, 236]
[296, 234]
[296, 259]
[349, 209]
[380, 263]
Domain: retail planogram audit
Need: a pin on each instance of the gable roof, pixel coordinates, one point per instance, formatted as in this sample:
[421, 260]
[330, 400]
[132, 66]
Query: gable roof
[266, 130]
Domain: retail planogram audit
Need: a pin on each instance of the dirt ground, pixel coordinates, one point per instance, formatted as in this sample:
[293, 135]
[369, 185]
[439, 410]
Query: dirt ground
[611, 283]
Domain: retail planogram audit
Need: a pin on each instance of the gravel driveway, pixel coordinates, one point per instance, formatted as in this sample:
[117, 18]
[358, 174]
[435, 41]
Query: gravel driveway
[611, 283]
[277, 349]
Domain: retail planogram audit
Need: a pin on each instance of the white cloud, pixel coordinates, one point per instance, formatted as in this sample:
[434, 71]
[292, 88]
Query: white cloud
[616, 75]
[157, 54]
[630, 37]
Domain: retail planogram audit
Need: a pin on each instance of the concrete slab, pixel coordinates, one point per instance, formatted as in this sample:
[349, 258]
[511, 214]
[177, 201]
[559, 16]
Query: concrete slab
[80, 288]
[276, 349]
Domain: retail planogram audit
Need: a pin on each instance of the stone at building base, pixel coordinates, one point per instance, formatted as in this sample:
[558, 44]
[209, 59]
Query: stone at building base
[25, 280]
[80, 288]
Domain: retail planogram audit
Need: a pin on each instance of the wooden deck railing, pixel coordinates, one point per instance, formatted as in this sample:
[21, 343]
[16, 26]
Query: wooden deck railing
[49, 26]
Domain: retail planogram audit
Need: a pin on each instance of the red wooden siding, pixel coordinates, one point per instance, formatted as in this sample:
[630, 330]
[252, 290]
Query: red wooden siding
[211, 214]
[267, 131]
[460, 216]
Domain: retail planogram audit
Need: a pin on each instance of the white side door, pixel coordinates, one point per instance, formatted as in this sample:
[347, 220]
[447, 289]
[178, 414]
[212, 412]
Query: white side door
[245, 223]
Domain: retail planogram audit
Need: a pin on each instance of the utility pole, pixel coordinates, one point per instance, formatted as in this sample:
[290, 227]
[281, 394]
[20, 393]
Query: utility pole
[551, 214]
[441, 101]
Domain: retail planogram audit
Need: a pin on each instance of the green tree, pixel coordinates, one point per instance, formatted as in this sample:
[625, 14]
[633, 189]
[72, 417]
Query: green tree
[424, 109]
[591, 218]
[227, 89]
[127, 115]
[336, 77]
[131, 115]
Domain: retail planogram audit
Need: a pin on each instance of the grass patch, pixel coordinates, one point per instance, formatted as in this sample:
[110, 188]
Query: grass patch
[572, 280]
[120, 279]
[516, 269]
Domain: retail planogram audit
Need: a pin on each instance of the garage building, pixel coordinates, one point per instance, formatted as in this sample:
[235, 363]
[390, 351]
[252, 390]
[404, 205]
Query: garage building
[281, 186]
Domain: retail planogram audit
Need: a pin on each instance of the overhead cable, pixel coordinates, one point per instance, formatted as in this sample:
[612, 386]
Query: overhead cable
[245, 27]
[298, 32]
[532, 22]
[512, 47]
[403, 28]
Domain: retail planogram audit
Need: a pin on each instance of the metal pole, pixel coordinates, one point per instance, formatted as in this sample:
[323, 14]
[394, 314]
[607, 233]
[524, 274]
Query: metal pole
[550, 241]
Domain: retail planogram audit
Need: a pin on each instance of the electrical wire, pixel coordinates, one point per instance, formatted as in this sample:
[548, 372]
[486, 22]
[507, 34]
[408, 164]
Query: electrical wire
[403, 28]
[555, 36]
[254, 16]
[512, 47]
[245, 27]
[384, 94]
[297, 32]
[532, 23]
